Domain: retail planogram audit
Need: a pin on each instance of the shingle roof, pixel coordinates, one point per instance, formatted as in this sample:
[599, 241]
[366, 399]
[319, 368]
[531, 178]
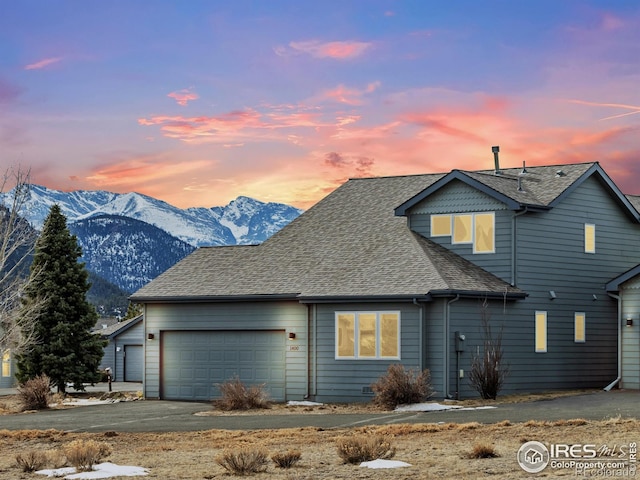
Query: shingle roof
[349, 244]
[118, 327]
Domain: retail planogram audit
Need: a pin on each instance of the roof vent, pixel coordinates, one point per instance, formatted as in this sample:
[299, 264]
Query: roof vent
[524, 169]
[520, 189]
[495, 151]
[560, 173]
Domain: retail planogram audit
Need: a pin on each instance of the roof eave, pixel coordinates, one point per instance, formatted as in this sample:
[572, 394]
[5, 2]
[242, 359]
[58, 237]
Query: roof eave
[364, 298]
[215, 298]
[478, 294]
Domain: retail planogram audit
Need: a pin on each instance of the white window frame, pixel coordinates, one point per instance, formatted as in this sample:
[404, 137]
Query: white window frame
[493, 242]
[356, 335]
[5, 363]
[587, 228]
[449, 217]
[453, 229]
[542, 315]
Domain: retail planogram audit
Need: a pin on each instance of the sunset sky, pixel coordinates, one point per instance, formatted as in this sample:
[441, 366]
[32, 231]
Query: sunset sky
[198, 102]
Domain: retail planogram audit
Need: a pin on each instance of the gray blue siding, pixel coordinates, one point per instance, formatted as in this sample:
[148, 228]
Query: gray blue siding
[630, 294]
[287, 316]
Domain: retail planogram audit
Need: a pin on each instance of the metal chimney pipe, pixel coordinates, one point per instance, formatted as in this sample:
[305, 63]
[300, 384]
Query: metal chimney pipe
[496, 160]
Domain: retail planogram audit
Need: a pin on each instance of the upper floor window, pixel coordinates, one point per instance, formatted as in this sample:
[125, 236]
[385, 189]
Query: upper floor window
[580, 321]
[477, 229]
[589, 238]
[368, 335]
[440, 225]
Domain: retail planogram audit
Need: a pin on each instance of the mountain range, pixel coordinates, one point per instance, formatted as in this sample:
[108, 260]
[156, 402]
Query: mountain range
[129, 239]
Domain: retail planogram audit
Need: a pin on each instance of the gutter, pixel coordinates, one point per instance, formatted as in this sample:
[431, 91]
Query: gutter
[420, 333]
[615, 382]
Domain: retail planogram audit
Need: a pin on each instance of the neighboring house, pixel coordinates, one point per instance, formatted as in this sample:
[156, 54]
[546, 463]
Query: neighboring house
[393, 270]
[124, 352]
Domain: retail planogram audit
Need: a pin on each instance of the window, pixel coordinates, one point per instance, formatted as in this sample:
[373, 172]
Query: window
[541, 332]
[474, 228]
[579, 320]
[6, 363]
[589, 238]
[368, 335]
[440, 225]
[484, 233]
[462, 231]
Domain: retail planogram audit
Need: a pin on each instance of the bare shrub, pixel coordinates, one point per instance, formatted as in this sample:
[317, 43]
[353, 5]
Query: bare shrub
[483, 450]
[31, 460]
[35, 394]
[364, 448]
[287, 459]
[56, 458]
[488, 371]
[237, 396]
[243, 460]
[400, 387]
[84, 454]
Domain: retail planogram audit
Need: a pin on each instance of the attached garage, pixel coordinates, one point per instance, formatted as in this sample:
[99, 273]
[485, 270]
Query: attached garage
[194, 362]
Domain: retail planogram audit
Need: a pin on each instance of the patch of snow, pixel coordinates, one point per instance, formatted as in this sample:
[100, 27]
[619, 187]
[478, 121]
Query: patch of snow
[304, 403]
[435, 407]
[102, 470]
[385, 464]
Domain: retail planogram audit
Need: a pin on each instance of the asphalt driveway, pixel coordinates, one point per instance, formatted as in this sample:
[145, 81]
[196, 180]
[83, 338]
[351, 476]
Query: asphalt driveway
[170, 416]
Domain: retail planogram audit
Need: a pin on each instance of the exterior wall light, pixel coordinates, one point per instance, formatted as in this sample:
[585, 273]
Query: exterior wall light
[150, 336]
[552, 295]
[629, 321]
[292, 336]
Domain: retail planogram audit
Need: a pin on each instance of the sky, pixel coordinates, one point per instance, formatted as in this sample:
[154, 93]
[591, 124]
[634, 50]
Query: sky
[198, 102]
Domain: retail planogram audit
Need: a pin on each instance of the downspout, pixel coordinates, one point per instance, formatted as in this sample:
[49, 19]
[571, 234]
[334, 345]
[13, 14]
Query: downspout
[307, 356]
[420, 333]
[615, 382]
[513, 245]
[447, 318]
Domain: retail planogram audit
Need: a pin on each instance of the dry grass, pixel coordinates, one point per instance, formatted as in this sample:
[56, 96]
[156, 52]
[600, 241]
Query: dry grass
[287, 459]
[435, 451]
[243, 460]
[84, 454]
[364, 448]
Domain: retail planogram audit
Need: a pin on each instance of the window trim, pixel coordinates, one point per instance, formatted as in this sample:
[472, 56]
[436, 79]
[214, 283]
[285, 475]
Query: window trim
[589, 238]
[475, 236]
[438, 216]
[541, 331]
[582, 316]
[471, 229]
[356, 334]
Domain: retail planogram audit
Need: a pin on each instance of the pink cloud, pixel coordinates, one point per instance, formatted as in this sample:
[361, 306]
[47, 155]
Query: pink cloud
[337, 50]
[184, 96]
[349, 96]
[42, 63]
[635, 109]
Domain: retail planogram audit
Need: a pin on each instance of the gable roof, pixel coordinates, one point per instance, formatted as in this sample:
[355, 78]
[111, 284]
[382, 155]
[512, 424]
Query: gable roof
[540, 188]
[614, 285]
[348, 245]
[119, 327]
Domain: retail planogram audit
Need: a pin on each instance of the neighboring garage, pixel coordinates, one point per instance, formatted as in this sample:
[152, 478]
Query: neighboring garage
[124, 353]
[194, 362]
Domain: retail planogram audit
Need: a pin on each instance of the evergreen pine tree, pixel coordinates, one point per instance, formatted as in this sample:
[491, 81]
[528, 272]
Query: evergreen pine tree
[133, 310]
[66, 350]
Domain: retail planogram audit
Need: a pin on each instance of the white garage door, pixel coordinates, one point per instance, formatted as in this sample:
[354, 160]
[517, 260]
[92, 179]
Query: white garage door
[193, 362]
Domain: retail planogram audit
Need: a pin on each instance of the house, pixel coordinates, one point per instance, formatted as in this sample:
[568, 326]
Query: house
[402, 270]
[124, 351]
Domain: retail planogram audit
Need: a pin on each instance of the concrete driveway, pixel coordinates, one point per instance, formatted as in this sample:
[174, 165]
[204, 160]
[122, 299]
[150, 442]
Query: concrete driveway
[166, 416]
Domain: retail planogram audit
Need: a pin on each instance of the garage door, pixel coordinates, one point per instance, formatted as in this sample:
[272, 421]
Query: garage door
[194, 362]
[133, 359]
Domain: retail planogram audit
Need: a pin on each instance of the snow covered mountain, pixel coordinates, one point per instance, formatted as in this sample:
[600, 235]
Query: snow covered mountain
[129, 239]
[243, 221]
